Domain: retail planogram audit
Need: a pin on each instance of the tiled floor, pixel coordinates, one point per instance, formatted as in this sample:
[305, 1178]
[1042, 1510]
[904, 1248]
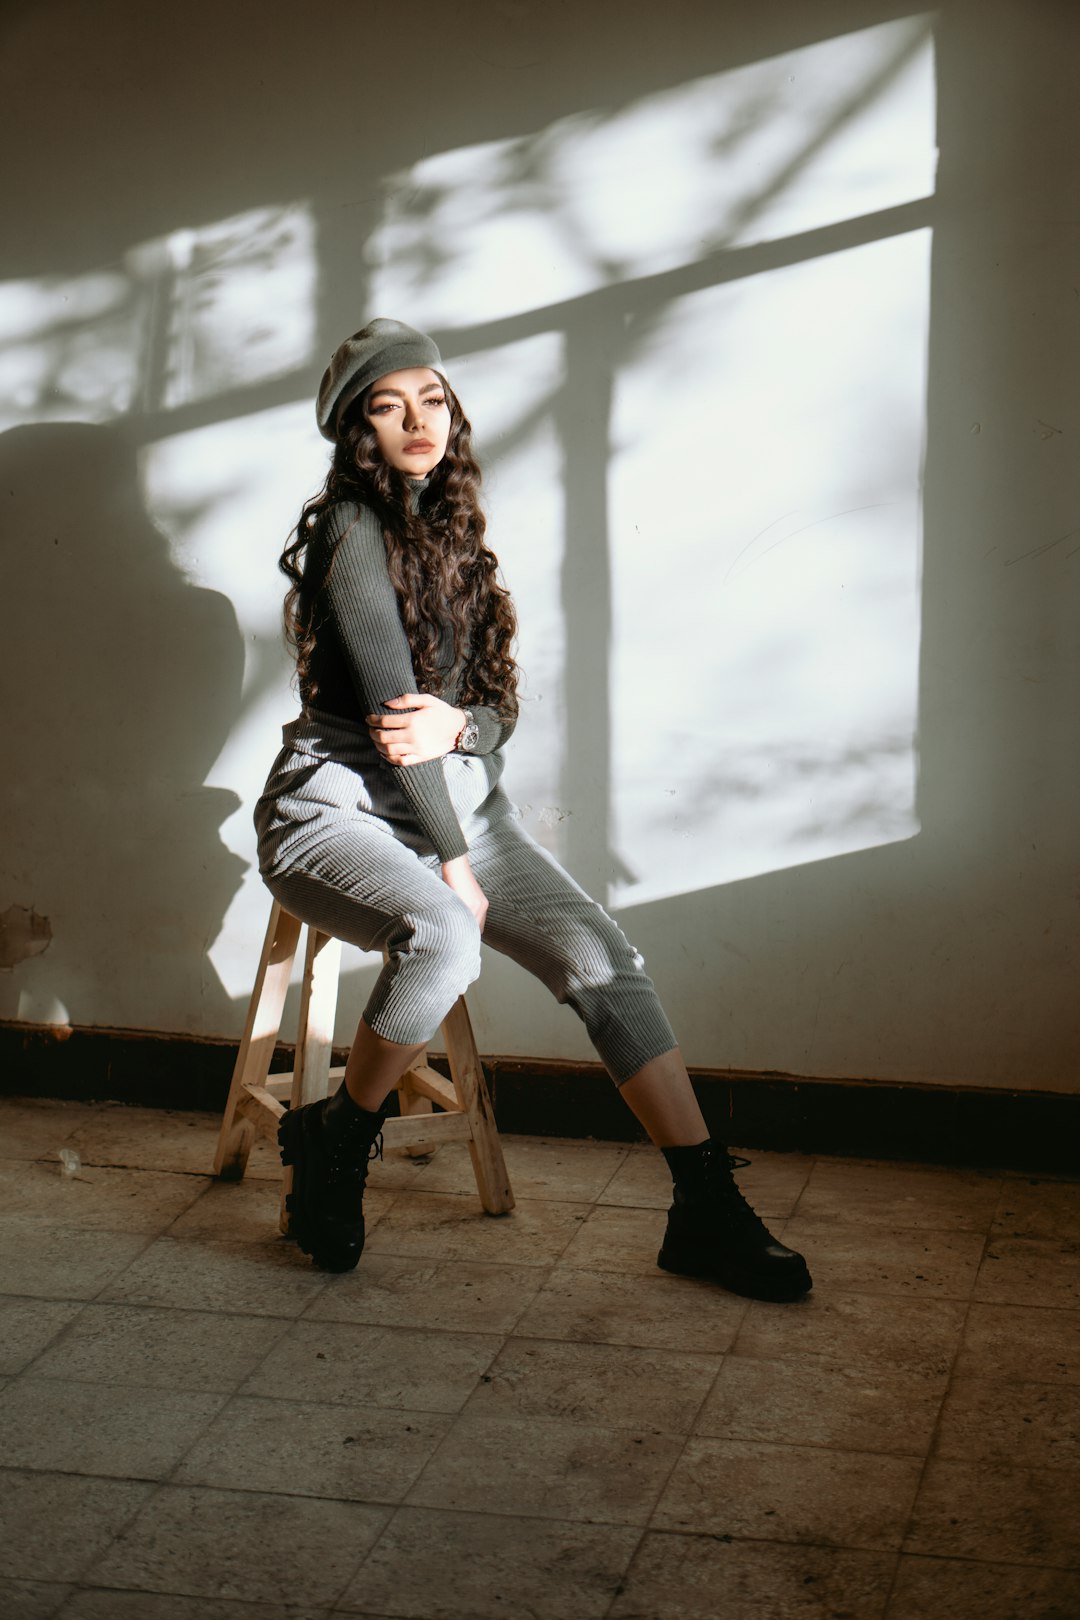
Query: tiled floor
[522, 1417]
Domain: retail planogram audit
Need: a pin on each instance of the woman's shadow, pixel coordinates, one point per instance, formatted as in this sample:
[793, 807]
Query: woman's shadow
[123, 681]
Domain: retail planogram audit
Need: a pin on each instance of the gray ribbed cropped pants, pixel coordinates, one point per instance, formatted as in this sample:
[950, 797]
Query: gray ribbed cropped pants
[338, 848]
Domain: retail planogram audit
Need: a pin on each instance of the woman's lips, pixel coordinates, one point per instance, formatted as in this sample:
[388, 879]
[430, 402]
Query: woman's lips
[418, 445]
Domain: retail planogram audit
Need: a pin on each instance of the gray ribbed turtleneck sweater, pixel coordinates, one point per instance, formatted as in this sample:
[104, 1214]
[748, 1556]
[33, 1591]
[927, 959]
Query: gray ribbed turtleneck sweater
[362, 659]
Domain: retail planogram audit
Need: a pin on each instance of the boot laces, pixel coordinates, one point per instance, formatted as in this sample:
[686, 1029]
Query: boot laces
[728, 1194]
[344, 1164]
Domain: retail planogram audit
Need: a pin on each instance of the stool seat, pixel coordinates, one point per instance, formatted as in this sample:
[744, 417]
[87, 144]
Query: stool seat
[257, 1099]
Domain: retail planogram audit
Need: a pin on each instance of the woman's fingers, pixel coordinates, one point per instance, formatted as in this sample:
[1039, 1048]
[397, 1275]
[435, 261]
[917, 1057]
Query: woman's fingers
[428, 732]
[397, 755]
[458, 875]
[412, 700]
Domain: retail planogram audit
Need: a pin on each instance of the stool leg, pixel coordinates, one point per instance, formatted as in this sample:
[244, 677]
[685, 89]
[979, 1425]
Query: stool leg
[492, 1181]
[260, 1037]
[315, 1033]
[410, 1102]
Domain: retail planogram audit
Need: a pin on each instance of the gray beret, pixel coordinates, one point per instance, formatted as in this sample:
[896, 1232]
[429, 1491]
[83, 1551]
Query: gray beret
[378, 348]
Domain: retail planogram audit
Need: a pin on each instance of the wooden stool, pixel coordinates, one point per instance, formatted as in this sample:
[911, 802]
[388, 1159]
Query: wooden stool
[256, 1096]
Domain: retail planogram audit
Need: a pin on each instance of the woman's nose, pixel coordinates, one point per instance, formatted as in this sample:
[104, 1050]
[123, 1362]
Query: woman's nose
[414, 416]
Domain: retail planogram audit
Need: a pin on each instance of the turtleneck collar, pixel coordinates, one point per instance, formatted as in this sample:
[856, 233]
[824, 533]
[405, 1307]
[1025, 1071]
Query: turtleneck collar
[417, 487]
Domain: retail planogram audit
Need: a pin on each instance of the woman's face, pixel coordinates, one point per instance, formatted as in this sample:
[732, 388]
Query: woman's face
[410, 413]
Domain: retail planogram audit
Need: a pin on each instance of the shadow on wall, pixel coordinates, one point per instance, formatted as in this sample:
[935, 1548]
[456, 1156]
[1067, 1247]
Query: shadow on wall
[945, 955]
[125, 681]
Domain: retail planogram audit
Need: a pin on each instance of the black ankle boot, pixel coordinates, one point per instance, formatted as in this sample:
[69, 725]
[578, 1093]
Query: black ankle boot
[329, 1144]
[712, 1231]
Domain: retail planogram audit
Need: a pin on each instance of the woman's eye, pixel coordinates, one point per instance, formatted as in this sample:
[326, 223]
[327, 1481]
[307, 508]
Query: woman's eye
[435, 399]
[381, 410]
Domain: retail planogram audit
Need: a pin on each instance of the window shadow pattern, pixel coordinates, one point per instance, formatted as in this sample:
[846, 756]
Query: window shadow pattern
[814, 957]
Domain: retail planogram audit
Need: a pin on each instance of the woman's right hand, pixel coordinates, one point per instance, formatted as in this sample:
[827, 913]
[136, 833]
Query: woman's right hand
[458, 875]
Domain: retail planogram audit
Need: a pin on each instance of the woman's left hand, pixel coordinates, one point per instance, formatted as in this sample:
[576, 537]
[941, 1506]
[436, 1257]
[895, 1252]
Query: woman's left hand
[429, 731]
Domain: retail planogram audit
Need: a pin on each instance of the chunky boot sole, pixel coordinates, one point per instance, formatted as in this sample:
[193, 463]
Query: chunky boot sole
[689, 1259]
[299, 1148]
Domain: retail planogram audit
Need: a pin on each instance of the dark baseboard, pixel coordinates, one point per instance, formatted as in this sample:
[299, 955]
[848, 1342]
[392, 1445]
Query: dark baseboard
[989, 1127]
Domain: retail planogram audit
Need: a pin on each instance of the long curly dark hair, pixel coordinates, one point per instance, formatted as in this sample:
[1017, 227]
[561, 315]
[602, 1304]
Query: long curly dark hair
[442, 571]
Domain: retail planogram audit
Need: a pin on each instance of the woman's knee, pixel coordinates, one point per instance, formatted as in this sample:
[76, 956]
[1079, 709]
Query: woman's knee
[443, 942]
[599, 958]
[434, 955]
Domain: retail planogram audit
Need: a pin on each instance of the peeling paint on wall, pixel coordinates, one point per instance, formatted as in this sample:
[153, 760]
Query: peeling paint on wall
[23, 933]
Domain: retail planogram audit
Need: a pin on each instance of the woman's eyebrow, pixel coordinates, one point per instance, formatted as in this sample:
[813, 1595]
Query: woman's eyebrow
[427, 389]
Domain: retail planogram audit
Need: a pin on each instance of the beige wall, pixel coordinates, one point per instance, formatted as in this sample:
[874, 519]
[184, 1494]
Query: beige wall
[768, 328]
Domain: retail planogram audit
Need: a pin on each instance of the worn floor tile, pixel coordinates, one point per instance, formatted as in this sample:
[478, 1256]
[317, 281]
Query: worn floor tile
[407, 1368]
[464, 1565]
[13, 1173]
[1030, 1271]
[881, 1260]
[530, 1467]
[626, 1240]
[197, 1542]
[61, 1262]
[538, 1168]
[786, 1402]
[57, 1524]
[678, 1577]
[997, 1513]
[1030, 1425]
[31, 1600]
[109, 1604]
[28, 1326]
[357, 1453]
[642, 1181]
[31, 1126]
[161, 1349]
[454, 1227]
[851, 1330]
[856, 1193]
[249, 1211]
[771, 1181]
[1038, 1208]
[402, 1291]
[162, 1139]
[790, 1493]
[108, 1199]
[1018, 1341]
[616, 1386]
[245, 1211]
[657, 1312]
[100, 1429]
[265, 1279]
[957, 1589]
[547, 1468]
[398, 1171]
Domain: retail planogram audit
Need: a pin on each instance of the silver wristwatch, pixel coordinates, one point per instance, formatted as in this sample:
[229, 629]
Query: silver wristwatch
[469, 735]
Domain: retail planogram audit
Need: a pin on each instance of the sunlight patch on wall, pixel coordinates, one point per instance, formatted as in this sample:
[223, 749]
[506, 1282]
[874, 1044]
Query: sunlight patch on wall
[186, 317]
[762, 466]
[764, 659]
[830, 132]
[509, 394]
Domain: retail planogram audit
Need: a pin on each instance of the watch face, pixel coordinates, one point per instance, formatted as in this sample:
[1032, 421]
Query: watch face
[470, 736]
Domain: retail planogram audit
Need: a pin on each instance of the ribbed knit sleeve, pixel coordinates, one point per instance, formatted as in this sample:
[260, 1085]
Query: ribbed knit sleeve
[493, 729]
[360, 607]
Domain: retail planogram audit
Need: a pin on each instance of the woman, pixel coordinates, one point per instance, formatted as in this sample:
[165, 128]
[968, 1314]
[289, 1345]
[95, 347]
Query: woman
[384, 821]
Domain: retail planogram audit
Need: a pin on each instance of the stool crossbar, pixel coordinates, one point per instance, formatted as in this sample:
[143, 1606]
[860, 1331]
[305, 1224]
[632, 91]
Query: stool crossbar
[257, 1098]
